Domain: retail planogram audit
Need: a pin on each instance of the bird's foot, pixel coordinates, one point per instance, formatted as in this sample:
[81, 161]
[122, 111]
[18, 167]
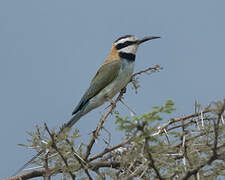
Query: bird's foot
[124, 90]
[113, 103]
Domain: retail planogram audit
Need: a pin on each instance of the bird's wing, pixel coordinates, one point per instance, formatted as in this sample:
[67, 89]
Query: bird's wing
[103, 77]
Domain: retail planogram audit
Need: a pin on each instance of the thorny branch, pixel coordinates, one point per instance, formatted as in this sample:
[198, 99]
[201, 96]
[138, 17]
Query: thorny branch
[116, 164]
[214, 155]
[152, 161]
[113, 105]
[113, 157]
[82, 162]
[107, 150]
[100, 125]
[54, 146]
[149, 70]
[47, 175]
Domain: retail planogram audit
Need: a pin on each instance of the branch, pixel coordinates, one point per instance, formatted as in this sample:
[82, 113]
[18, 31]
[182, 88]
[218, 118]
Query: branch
[41, 172]
[110, 149]
[81, 161]
[48, 174]
[216, 127]
[175, 120]
[153, 69]
[98, 128]
[29, 175]
[214, 155]
[113, 105]
[57, 150]
[147, 149]
[195, 171]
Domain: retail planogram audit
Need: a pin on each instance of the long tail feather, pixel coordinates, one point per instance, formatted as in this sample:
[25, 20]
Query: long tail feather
[29, 162]
[69, 124]
[74, 119]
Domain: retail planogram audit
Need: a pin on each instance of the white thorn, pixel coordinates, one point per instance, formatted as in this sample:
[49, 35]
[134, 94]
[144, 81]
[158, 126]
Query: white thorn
[46, 151]
[184, 161]
[222, 119]
[183, 141]
[37, 167]
[32, 147]
[142, 174]
[137, 169]
[155, 134]
[52, 155]
[80, 157]
[44, 142]
[176, 154]
[198, 177]
[120, 150]
[167, 135]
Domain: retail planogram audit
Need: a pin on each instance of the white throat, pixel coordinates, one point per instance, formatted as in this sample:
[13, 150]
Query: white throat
[130, 49]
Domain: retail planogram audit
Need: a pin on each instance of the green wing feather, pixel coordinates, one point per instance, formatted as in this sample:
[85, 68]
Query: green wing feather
[106, 74]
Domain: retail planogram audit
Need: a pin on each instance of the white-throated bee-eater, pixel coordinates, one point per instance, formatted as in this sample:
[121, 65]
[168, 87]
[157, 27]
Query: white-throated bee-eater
[111, 77]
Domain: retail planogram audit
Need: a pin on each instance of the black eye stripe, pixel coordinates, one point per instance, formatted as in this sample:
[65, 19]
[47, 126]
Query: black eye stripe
[125, 44]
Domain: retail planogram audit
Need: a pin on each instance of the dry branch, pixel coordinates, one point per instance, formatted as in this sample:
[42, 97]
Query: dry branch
[137, 156]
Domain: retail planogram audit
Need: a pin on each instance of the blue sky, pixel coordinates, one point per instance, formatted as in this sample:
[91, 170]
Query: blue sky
[50, 50]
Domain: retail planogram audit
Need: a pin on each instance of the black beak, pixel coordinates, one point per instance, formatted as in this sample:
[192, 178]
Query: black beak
[147, 39]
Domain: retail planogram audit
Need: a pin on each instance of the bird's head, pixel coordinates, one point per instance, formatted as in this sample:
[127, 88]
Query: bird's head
[126, 47]
[129, 43]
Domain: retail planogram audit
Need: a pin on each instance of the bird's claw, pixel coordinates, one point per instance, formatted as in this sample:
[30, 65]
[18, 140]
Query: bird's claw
[113, 103]
[124, 90]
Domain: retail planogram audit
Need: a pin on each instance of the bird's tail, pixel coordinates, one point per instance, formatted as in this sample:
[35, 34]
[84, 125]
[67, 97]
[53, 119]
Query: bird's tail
[29, 162]
[69, 124]
[74, 119]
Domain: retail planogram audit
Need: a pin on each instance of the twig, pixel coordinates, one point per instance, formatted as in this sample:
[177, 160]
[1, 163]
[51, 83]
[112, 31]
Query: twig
[28, 175]
[101, 176]
[132, 113]
[216, 128]
[42, 172]
[155, 68]
[81, 161]
[175, 120]
[107, 142]
[47, 175]
[57, 150]
[112, 163]
[99, 155]
[195, 171]
[147, 149]
[214, 155]
[98, 128]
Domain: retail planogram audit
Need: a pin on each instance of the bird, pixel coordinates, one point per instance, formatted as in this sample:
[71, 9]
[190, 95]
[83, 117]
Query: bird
[111, 78]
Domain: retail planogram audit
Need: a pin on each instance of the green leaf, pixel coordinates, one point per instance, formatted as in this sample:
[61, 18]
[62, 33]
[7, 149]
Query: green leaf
[22, 145]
